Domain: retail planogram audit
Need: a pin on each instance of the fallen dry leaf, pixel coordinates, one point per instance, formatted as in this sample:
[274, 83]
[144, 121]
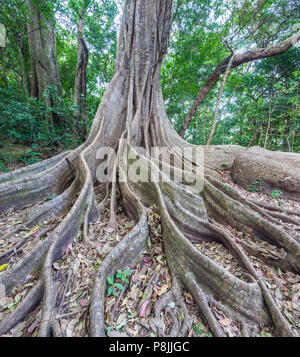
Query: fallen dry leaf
[225, 322]
[143, 308]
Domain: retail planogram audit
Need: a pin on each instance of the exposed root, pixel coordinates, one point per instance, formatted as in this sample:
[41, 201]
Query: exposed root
[23, 309]
[32, 169]
[243, 218]
[270, 207]
[127, 253]
[182, 321]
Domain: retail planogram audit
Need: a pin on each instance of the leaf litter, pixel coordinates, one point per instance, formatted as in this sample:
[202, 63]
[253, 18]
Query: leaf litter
[131, 312]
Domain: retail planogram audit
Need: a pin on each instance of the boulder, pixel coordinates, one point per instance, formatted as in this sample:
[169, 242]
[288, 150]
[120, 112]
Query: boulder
[218, 155]
[275, 170]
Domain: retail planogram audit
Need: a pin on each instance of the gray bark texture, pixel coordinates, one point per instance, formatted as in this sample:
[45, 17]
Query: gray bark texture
[80, 78]
[42, 48]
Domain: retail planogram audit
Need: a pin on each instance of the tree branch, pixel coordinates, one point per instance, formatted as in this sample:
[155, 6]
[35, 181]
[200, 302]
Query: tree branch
[248, 56]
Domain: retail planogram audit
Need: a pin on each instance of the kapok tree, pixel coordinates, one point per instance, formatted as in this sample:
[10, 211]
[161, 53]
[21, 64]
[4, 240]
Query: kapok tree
[132, 108]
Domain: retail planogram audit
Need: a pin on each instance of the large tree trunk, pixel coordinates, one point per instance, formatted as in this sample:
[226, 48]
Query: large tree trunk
[132, 109]
[248, 56]
[80, 78]
[42, 48]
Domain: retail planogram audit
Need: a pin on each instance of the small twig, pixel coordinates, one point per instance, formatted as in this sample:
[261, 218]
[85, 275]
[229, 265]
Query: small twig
[70, 273]
[113, 311]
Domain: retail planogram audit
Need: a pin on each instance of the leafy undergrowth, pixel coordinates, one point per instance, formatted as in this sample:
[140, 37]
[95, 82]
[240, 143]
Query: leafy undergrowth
[26, 159]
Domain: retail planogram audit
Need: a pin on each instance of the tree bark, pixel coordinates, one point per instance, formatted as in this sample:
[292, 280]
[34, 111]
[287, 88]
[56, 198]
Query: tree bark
[24, 71]
[213, 126]
[42, 49]
[3, 75]
[248, 56]
[80, 78]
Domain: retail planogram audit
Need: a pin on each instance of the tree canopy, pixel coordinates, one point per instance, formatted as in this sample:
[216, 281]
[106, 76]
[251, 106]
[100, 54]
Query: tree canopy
[260, 101]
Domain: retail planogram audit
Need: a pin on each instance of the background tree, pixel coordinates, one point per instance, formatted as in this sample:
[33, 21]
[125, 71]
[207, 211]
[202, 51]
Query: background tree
[26, 119]
[42, 48]
[80, 77]
[222, 30]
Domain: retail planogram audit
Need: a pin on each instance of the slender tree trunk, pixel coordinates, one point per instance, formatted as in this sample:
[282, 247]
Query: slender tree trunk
[260, 136]
[80, 78]
[286, 144]
[3, 75]
[270, 111]
[213, 126]
[24, 72]
[248, 56]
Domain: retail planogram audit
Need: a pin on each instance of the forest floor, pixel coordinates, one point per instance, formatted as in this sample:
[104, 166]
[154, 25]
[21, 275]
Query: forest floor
[132, 294]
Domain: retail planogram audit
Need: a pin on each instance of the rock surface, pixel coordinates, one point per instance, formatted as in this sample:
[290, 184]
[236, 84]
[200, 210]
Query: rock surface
[275, 170]
[218, 155]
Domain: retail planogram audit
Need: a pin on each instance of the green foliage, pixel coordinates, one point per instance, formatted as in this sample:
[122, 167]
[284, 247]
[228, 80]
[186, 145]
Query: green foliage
[31, 158]
[255, 187]
[3, 167]
[276, 194]
[114, 285]
[23, 120]
[26, 120]
[123, 274]
[226, 187]
[203, 32]
[200, 330]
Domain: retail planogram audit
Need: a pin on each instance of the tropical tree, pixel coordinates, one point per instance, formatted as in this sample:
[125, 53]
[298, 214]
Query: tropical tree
[131, 119]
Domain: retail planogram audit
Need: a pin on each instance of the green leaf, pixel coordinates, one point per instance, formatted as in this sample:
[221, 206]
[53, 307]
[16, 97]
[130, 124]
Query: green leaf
[108, 329]
[109, 290]
[111, 280]
[18, 298]
[119, 286]
[127, 272]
